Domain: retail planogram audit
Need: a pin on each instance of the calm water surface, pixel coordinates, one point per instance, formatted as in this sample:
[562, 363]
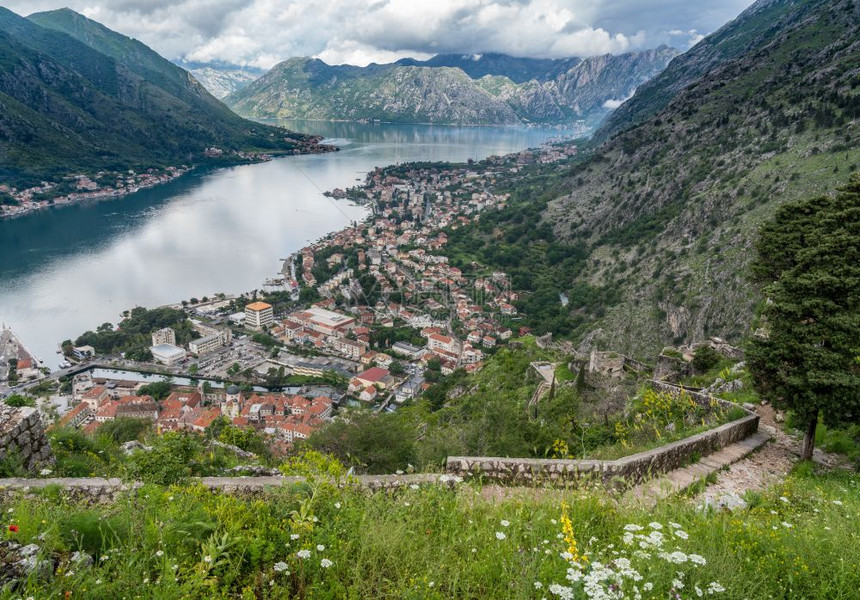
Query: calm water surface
[67, 270]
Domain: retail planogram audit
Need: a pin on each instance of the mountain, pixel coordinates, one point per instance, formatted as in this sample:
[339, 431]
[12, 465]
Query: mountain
[517, 69]
[76, 96]
[223, 82]
[649, 233]
[486, 89]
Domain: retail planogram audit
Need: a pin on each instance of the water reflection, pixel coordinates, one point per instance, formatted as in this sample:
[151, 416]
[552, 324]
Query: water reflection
[67, 270]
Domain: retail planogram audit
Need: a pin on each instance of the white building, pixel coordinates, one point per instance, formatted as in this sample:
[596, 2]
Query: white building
[164, 336]
[168, 354]
[259, 315]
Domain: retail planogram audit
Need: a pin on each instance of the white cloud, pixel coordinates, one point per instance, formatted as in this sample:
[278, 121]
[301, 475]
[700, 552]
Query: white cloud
[262, 32]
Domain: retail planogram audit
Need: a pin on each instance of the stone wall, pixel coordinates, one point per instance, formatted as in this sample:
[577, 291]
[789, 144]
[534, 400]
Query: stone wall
[629, 470]
[99, 490]
[22, 434]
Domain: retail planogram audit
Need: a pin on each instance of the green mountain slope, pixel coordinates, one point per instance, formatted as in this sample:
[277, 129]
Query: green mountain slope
[650, 234]
[105, 102]
[451, 89]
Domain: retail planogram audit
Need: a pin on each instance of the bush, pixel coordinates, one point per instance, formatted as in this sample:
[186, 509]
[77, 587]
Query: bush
[705, 358]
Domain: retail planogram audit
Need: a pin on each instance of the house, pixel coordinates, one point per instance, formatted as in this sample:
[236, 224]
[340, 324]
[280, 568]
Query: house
[374, 376]
[368, 394]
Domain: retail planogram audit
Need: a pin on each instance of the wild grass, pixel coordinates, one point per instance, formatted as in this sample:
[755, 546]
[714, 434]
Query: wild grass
[800, 539]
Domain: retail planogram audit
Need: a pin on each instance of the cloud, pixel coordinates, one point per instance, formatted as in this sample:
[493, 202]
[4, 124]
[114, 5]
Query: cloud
[261, 33]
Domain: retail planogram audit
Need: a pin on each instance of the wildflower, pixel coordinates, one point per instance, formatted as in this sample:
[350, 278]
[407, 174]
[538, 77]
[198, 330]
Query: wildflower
[474, 550]
[105, 557]
[787, 525]
[320, 547]
[632, 527]
[648, 586]
[398, 472]
[837, 502]
[294, 536]
[505, 523]
[69, 573]
[677, 584]
[160, 553]
[145, 581]
[207, 559]
[538, 585]
[14, 528]
[98, 581]
[326, 563]
[303, 553]
[682, 534]
[431, 584]
[337, 505]
[699, 591]
[500, 535]
[715, 588]
[170, 498]
[175, 567]
[414, 486]
[655, 525]
[674, 525]
[45, 472]
[697, 559]
[280, 567]
[406, 504]
[784, 499]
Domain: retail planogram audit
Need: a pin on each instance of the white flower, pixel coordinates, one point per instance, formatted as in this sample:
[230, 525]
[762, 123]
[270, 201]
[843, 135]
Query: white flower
[632, 527]
[698, 591]
[294, 536]
[398, 472]
[837, 502]
[431, 584]
[414, 486]
[787, 525]
[69, 573]
[648, 586]
[159, 553]
[45, 472]
[538, 585]
[175, 567]
[677, 584]
[674, 525]
[505, 523]
[655, 525]
[553, 521]
[170, 498]
[303, 553]
[474, 550]
[207, 559]
[715, 588]
[566, 555]
[98, 581]
[784, 499]
[320, 547]
[105, 557]
[500, 535]
[682, 534]
[326, 563]
[280, 567]
[337, 504]
[406, 504]
[697, 559]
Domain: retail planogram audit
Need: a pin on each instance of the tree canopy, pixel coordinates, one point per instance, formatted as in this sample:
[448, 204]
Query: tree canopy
[805, 356]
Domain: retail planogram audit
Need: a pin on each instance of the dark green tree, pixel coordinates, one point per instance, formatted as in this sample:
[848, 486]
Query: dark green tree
[805, 356]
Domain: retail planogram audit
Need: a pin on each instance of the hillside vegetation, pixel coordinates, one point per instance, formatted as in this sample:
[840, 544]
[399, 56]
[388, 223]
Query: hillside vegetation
[649, 234]
[76, 96]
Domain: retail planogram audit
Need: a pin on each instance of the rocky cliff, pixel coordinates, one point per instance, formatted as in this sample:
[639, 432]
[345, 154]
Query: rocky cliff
[490, 89]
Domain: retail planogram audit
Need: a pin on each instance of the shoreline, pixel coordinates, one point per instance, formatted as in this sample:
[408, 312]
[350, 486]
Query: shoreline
[172, 173]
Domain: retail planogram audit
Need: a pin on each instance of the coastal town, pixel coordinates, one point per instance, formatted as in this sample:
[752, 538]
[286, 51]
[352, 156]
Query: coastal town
[368, 317]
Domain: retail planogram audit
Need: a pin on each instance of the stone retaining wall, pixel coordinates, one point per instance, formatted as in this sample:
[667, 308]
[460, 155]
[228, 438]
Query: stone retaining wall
[626, 471]
[22, 434]
[102, 490]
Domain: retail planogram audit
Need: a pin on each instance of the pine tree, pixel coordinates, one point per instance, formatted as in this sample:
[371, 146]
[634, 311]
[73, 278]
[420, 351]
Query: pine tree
[805, 357]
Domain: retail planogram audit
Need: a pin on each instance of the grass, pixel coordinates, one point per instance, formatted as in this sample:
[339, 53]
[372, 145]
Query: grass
[798, 540]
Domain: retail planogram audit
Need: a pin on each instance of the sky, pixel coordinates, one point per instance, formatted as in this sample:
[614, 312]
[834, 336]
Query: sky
[261, 33]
